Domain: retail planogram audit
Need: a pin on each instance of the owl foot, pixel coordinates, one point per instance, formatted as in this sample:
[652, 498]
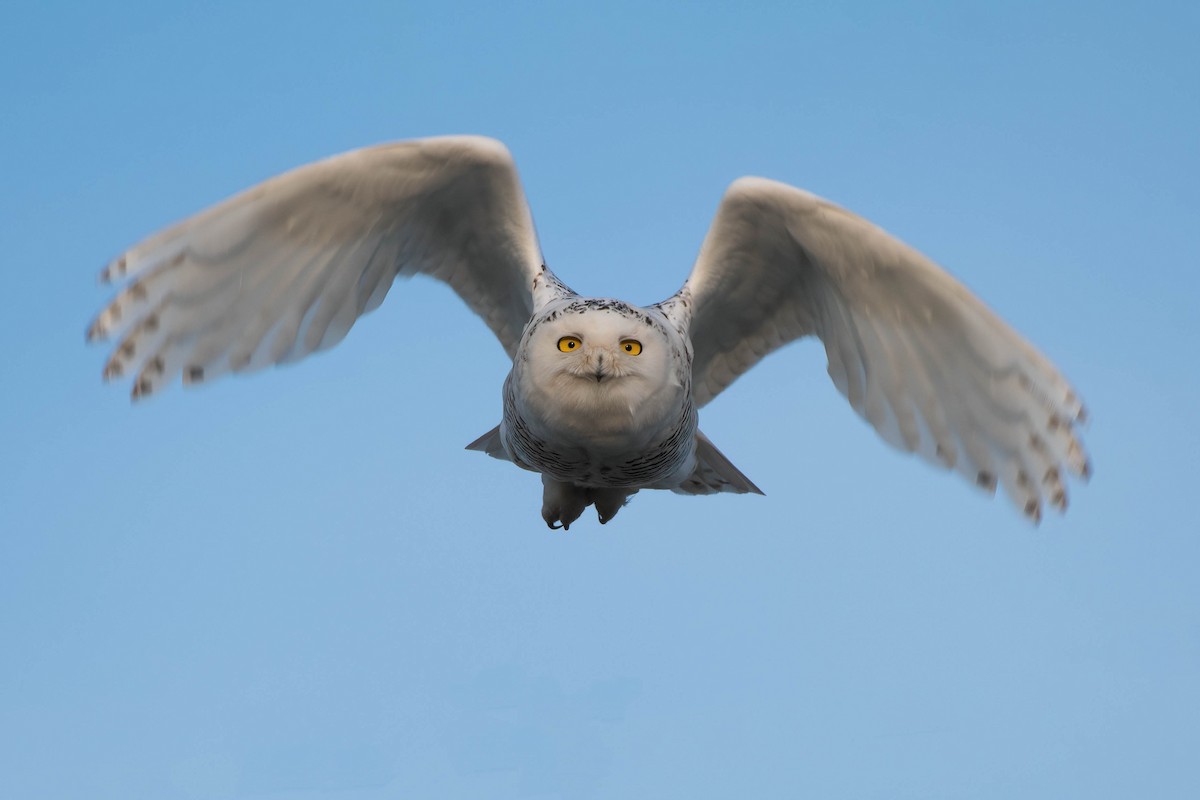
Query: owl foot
[609, 501]
[563, 503]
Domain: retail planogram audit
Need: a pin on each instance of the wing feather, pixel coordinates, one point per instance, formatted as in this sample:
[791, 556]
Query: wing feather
[918, 356]
[285, 269]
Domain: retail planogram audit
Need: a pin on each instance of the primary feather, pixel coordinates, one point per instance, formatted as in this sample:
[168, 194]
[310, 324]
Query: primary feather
[286, 268]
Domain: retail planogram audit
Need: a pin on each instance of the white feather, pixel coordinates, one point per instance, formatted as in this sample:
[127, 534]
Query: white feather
[916, 354]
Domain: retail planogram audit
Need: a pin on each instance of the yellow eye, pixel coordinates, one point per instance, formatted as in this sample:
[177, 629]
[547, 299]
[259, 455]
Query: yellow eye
[632, 346]
[569, 344]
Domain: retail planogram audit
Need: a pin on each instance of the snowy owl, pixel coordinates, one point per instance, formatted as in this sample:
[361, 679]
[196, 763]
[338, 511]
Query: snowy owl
[603, 395]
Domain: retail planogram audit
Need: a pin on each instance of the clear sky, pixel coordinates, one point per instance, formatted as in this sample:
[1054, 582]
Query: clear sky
[299, 585]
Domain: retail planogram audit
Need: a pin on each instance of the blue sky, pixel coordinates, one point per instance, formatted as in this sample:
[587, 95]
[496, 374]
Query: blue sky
[298, 585]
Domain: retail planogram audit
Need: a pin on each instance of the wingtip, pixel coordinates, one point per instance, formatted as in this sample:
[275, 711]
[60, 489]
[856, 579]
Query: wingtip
[95, 332]
[142, 389]
[113, 270]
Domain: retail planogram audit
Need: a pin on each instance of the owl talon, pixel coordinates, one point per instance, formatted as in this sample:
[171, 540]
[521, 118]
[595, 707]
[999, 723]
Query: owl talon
[562, 503]
[609, 501]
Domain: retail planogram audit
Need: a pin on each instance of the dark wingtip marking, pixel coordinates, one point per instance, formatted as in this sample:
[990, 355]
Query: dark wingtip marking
[947, 455]
[113, 270]
[95, 332]
[142, 388]
[986, 480]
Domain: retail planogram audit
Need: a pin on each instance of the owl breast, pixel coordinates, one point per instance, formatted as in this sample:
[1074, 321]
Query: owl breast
[613, 450]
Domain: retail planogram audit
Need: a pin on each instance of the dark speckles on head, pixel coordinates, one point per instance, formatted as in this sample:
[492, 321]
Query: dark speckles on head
[585, 305]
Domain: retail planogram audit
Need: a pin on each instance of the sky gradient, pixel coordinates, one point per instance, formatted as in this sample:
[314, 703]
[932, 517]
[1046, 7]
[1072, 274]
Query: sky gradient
[299, 585]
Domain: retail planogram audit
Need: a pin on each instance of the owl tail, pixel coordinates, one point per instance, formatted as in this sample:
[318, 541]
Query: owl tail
[490, 443]
[714, 473]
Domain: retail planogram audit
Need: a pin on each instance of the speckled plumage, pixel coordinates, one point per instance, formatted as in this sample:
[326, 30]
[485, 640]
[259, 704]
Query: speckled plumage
[285, 268]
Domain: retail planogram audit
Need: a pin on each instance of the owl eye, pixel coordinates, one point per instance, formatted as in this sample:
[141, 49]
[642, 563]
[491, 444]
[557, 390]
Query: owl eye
[568, 344]
[632, 346]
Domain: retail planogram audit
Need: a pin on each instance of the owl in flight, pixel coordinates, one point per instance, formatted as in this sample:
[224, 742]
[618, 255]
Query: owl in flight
[603, 395]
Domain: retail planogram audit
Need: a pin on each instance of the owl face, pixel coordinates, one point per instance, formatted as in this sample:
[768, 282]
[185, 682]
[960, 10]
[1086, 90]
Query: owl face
[600, 360]
[600, 344]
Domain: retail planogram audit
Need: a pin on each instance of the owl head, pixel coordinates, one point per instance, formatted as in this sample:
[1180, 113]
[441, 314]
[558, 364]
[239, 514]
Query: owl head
[604, 357]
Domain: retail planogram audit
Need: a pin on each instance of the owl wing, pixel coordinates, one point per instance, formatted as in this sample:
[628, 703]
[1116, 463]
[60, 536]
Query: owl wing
[916, 354]
[285, 268]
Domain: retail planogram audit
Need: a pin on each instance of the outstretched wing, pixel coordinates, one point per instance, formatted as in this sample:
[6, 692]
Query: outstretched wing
[285, 268]
[916, 354]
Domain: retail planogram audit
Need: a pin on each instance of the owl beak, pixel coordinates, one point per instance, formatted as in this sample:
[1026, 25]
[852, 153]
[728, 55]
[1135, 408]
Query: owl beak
[600, 372]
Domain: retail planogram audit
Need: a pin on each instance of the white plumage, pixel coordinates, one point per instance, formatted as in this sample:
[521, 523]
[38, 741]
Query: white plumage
[603, 395]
